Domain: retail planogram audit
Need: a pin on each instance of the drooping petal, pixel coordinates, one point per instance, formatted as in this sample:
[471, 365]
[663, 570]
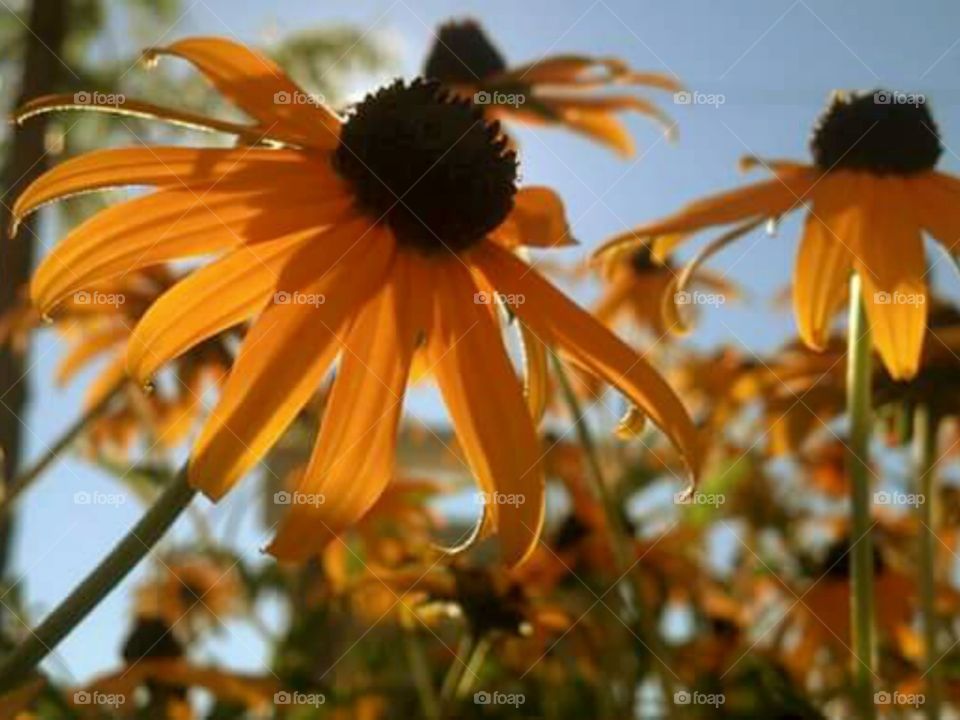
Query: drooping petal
[889, 256]
[284, 357]
[260, 87]
[600, 125]
[767, 199]
[936, 198]
[485, 401]
[354, 456]
[222, 294]
[536, 379]
[170, 167]
[571, 330]
[824, 261]
[169, 225]
[537, 220]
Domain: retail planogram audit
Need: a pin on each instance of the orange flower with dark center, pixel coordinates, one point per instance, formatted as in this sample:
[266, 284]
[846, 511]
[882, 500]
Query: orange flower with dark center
[367, 239]
[870, 195]
[553, 90]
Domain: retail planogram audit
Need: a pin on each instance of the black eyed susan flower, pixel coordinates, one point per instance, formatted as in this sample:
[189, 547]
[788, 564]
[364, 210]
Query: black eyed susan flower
[870, 194]
[554, 90]
[367, 239]
[639, 287]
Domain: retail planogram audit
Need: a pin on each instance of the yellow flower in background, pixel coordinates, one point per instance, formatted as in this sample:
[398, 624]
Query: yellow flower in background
[555, 90]
[639, 287]
[870, 194]
[367, 239]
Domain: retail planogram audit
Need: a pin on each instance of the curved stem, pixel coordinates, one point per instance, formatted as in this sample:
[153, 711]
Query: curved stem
[925, 428]
[859, 378]
[27, 476]
[618, 536]
[17, 666]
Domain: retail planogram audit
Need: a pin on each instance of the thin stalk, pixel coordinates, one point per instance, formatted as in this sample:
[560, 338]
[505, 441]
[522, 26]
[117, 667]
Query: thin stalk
[472, 671]
[18, 665]
[23, 479]
[420, 670]
[464, 663]
[859, 348]
[619, 540]
[925, 427]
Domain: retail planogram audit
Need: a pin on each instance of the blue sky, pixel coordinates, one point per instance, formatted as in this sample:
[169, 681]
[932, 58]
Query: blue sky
[774, 62]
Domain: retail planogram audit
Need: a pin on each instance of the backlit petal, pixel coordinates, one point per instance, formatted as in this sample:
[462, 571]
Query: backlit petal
[260, 87]
[284, 357]
[485, 401]
[573, 331]
[356, 450]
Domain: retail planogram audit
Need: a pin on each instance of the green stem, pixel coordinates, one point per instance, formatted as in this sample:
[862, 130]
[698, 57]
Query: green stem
[27, 476]
[859, 349]
[925, 426]
[420, 670]
[470, 647]
[619, 539]
[18, 665]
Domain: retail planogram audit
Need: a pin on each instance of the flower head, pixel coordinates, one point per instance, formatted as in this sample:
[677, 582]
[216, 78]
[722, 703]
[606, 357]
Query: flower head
[367, 239]
[552, 90]
[869, 196]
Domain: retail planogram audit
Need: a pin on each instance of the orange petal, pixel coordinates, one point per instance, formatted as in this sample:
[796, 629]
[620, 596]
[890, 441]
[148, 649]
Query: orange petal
[486, 404]
[822, 276]
[602, 126]
[220, 295]
[89, 346]
[169, 225]
[537, 220]
[170, 167]
[558, 321]
[260, 87]
[284, 357]
[356, 450]
[889, 256]
[937, 199]
[759, 200]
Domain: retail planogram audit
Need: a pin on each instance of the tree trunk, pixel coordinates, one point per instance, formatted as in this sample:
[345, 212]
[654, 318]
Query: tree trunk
[42, 72]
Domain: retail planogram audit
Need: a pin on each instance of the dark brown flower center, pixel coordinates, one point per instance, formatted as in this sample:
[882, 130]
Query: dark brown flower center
[462, 53]
[883, 132]
[642, 262]
[429, 165]
[151, 639]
